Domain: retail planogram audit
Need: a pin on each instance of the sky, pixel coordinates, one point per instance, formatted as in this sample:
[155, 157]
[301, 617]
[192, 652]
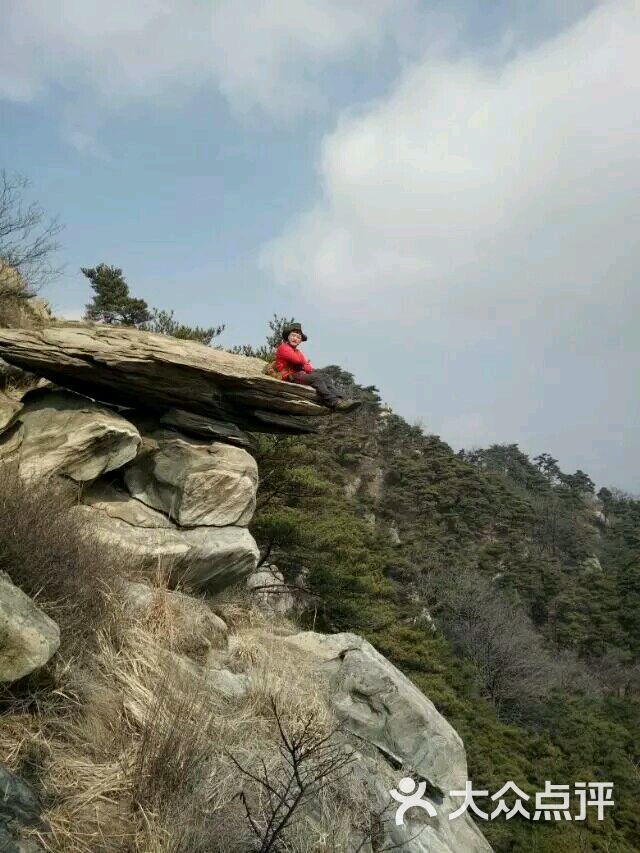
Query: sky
[445, 194]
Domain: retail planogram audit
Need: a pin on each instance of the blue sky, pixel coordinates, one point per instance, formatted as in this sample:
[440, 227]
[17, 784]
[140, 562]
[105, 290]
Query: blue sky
[446, 194]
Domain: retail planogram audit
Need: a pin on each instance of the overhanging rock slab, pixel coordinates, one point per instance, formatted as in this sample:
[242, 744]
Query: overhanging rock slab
[132, 368]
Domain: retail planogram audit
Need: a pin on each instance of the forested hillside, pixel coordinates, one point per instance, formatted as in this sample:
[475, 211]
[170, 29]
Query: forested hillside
[505, 588]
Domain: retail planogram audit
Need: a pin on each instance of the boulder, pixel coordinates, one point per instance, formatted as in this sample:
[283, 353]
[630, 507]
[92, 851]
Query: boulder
[394, 536]
[269, 591]
[65, 433]
[28, 637]
[207, 558]
[17, 800]
[209, 676]
[133, 368]
[195, 483]
[376, 703]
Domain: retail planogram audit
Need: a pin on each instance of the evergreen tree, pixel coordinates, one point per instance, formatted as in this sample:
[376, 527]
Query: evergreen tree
[164, 323]
[112, 303]
[484, 602]
[266, 351]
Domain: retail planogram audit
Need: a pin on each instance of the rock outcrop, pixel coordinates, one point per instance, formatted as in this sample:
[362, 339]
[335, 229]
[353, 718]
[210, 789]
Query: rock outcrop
[153, 432]
[201, 427]
[153, 429]
[183, 618]
[204, 557]
[194, 483]
[269, 592]
[391, 719]
[132, 368]
[65, 433]
[28, 637]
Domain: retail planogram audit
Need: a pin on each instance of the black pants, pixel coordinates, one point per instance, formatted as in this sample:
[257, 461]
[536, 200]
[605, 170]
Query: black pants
[324, 386]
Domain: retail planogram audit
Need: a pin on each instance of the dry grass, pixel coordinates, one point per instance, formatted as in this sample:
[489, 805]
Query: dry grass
[50, 555]
[129, 746]
[141, 758]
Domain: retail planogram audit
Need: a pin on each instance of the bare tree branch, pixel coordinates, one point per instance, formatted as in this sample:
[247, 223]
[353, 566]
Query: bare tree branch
[311, 760]
[27, 240]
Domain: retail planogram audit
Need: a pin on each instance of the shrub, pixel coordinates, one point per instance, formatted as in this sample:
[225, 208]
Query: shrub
[50, 555]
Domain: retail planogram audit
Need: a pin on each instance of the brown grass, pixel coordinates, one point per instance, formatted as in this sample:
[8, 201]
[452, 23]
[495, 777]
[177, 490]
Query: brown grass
[50, 555]
[143, 762]
[128, 745]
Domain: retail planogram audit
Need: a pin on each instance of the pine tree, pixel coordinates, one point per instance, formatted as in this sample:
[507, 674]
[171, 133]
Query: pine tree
[164, 323]
[112, 302]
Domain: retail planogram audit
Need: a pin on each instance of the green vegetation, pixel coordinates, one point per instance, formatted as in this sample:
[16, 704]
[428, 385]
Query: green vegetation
[531, 581]
[113, 304]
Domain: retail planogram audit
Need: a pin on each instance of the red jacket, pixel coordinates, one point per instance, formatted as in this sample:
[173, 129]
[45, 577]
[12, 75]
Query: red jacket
[290, 360]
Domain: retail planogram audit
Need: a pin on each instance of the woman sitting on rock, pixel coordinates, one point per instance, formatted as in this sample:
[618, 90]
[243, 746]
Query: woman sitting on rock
[292, 366]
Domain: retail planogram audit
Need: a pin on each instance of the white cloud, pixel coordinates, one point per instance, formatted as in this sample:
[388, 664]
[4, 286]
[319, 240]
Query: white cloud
[87, 144]
[465, 173]
[258, 53]
[487, 205]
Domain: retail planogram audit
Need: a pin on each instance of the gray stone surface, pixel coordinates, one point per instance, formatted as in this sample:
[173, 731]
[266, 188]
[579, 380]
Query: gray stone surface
[28, 637]
[18, 802]
[212, 676]
[269, 591]
[117, 503]
[378, 705]
[140, 369]
[10, 442]
[201, 427]
[19, 808]
[71, 435]
[193, 482]
[208, 558]
[591, 566]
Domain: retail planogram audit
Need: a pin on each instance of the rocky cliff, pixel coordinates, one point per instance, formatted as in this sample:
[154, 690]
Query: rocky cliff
[154, 436]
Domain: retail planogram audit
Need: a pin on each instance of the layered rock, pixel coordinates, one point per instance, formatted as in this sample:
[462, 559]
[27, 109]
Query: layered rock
[64, 433]
[133, 368]
[194, 483]
[28, 637]
[201, 427]
[209, 558]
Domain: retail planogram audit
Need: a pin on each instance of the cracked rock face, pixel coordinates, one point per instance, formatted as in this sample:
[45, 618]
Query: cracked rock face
[194, 483]
[157, 372]
[207, 558]
[378, 705]
[28, 637]
[63, 433]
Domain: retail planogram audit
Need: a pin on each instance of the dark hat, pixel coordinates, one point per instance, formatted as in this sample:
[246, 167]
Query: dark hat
[292, 327]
